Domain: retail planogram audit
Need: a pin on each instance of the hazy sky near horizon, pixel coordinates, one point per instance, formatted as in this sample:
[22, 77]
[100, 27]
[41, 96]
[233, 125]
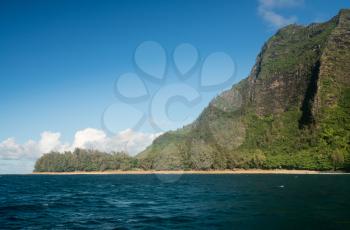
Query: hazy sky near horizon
[60, 60]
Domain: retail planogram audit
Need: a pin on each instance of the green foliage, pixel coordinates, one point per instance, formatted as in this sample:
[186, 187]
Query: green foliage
[337, 158]
[295, 114]
[84, 160]
[293, 46]
[201, 155]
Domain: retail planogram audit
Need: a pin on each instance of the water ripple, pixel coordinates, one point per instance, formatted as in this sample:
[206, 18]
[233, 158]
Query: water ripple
[195, 201]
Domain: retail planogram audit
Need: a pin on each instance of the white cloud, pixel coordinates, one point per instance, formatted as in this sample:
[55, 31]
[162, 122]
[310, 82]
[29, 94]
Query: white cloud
[50, 141]
[280, 3]
[267, 10]
[10, 149]
[128, 140]
[132, 142]
[88, 137]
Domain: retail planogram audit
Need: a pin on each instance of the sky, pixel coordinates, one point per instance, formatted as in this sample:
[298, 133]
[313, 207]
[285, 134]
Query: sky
[113, 75]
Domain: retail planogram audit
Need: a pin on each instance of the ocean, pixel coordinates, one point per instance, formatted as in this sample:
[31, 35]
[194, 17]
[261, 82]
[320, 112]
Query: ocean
[175, 201]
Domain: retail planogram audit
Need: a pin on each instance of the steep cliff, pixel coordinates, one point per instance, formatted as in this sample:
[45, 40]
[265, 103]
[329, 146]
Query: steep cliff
[292, 111]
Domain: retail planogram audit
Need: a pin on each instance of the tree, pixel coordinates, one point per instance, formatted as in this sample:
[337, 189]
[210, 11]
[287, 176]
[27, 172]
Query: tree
[337, 158]
[258, 159]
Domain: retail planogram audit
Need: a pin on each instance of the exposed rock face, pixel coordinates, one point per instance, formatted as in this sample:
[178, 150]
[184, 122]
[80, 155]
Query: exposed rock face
[335, 62]
[292, 111]
[287, 68]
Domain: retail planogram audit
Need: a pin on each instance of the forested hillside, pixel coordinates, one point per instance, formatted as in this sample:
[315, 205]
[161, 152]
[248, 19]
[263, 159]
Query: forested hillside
[292, 111]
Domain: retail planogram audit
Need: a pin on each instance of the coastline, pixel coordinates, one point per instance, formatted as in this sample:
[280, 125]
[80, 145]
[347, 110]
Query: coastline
[145, 172]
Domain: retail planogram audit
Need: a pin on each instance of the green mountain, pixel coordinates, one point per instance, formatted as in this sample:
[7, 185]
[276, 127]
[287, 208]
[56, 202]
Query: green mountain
[292, 111]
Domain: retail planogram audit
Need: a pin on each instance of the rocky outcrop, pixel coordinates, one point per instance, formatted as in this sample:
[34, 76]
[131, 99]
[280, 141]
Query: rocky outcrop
[281, 115]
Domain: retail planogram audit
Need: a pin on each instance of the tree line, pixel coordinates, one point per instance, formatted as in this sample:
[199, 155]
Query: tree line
[84, 160]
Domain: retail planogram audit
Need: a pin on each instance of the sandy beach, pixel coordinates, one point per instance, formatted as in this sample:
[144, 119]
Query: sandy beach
[238, 171]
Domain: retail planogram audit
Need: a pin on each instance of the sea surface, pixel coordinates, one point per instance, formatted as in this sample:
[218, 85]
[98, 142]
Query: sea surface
[175, 202]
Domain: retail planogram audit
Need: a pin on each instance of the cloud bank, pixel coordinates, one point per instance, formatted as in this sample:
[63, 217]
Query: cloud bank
[267, 10]
[128, 140]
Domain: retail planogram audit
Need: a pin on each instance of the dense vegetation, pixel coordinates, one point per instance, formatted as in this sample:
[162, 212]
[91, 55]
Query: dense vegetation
[292, 112]
[84, 160]
[295, 110]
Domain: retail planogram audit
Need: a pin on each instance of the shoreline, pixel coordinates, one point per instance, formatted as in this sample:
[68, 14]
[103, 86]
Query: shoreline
[146, 172]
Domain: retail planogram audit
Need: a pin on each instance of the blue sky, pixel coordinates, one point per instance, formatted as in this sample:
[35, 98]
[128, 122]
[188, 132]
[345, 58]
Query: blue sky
[59, 60]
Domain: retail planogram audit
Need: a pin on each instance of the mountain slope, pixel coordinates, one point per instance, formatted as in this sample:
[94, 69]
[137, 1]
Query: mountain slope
[293, 110]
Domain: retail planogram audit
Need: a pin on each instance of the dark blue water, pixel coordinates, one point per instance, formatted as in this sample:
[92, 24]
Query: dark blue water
[193, 201]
